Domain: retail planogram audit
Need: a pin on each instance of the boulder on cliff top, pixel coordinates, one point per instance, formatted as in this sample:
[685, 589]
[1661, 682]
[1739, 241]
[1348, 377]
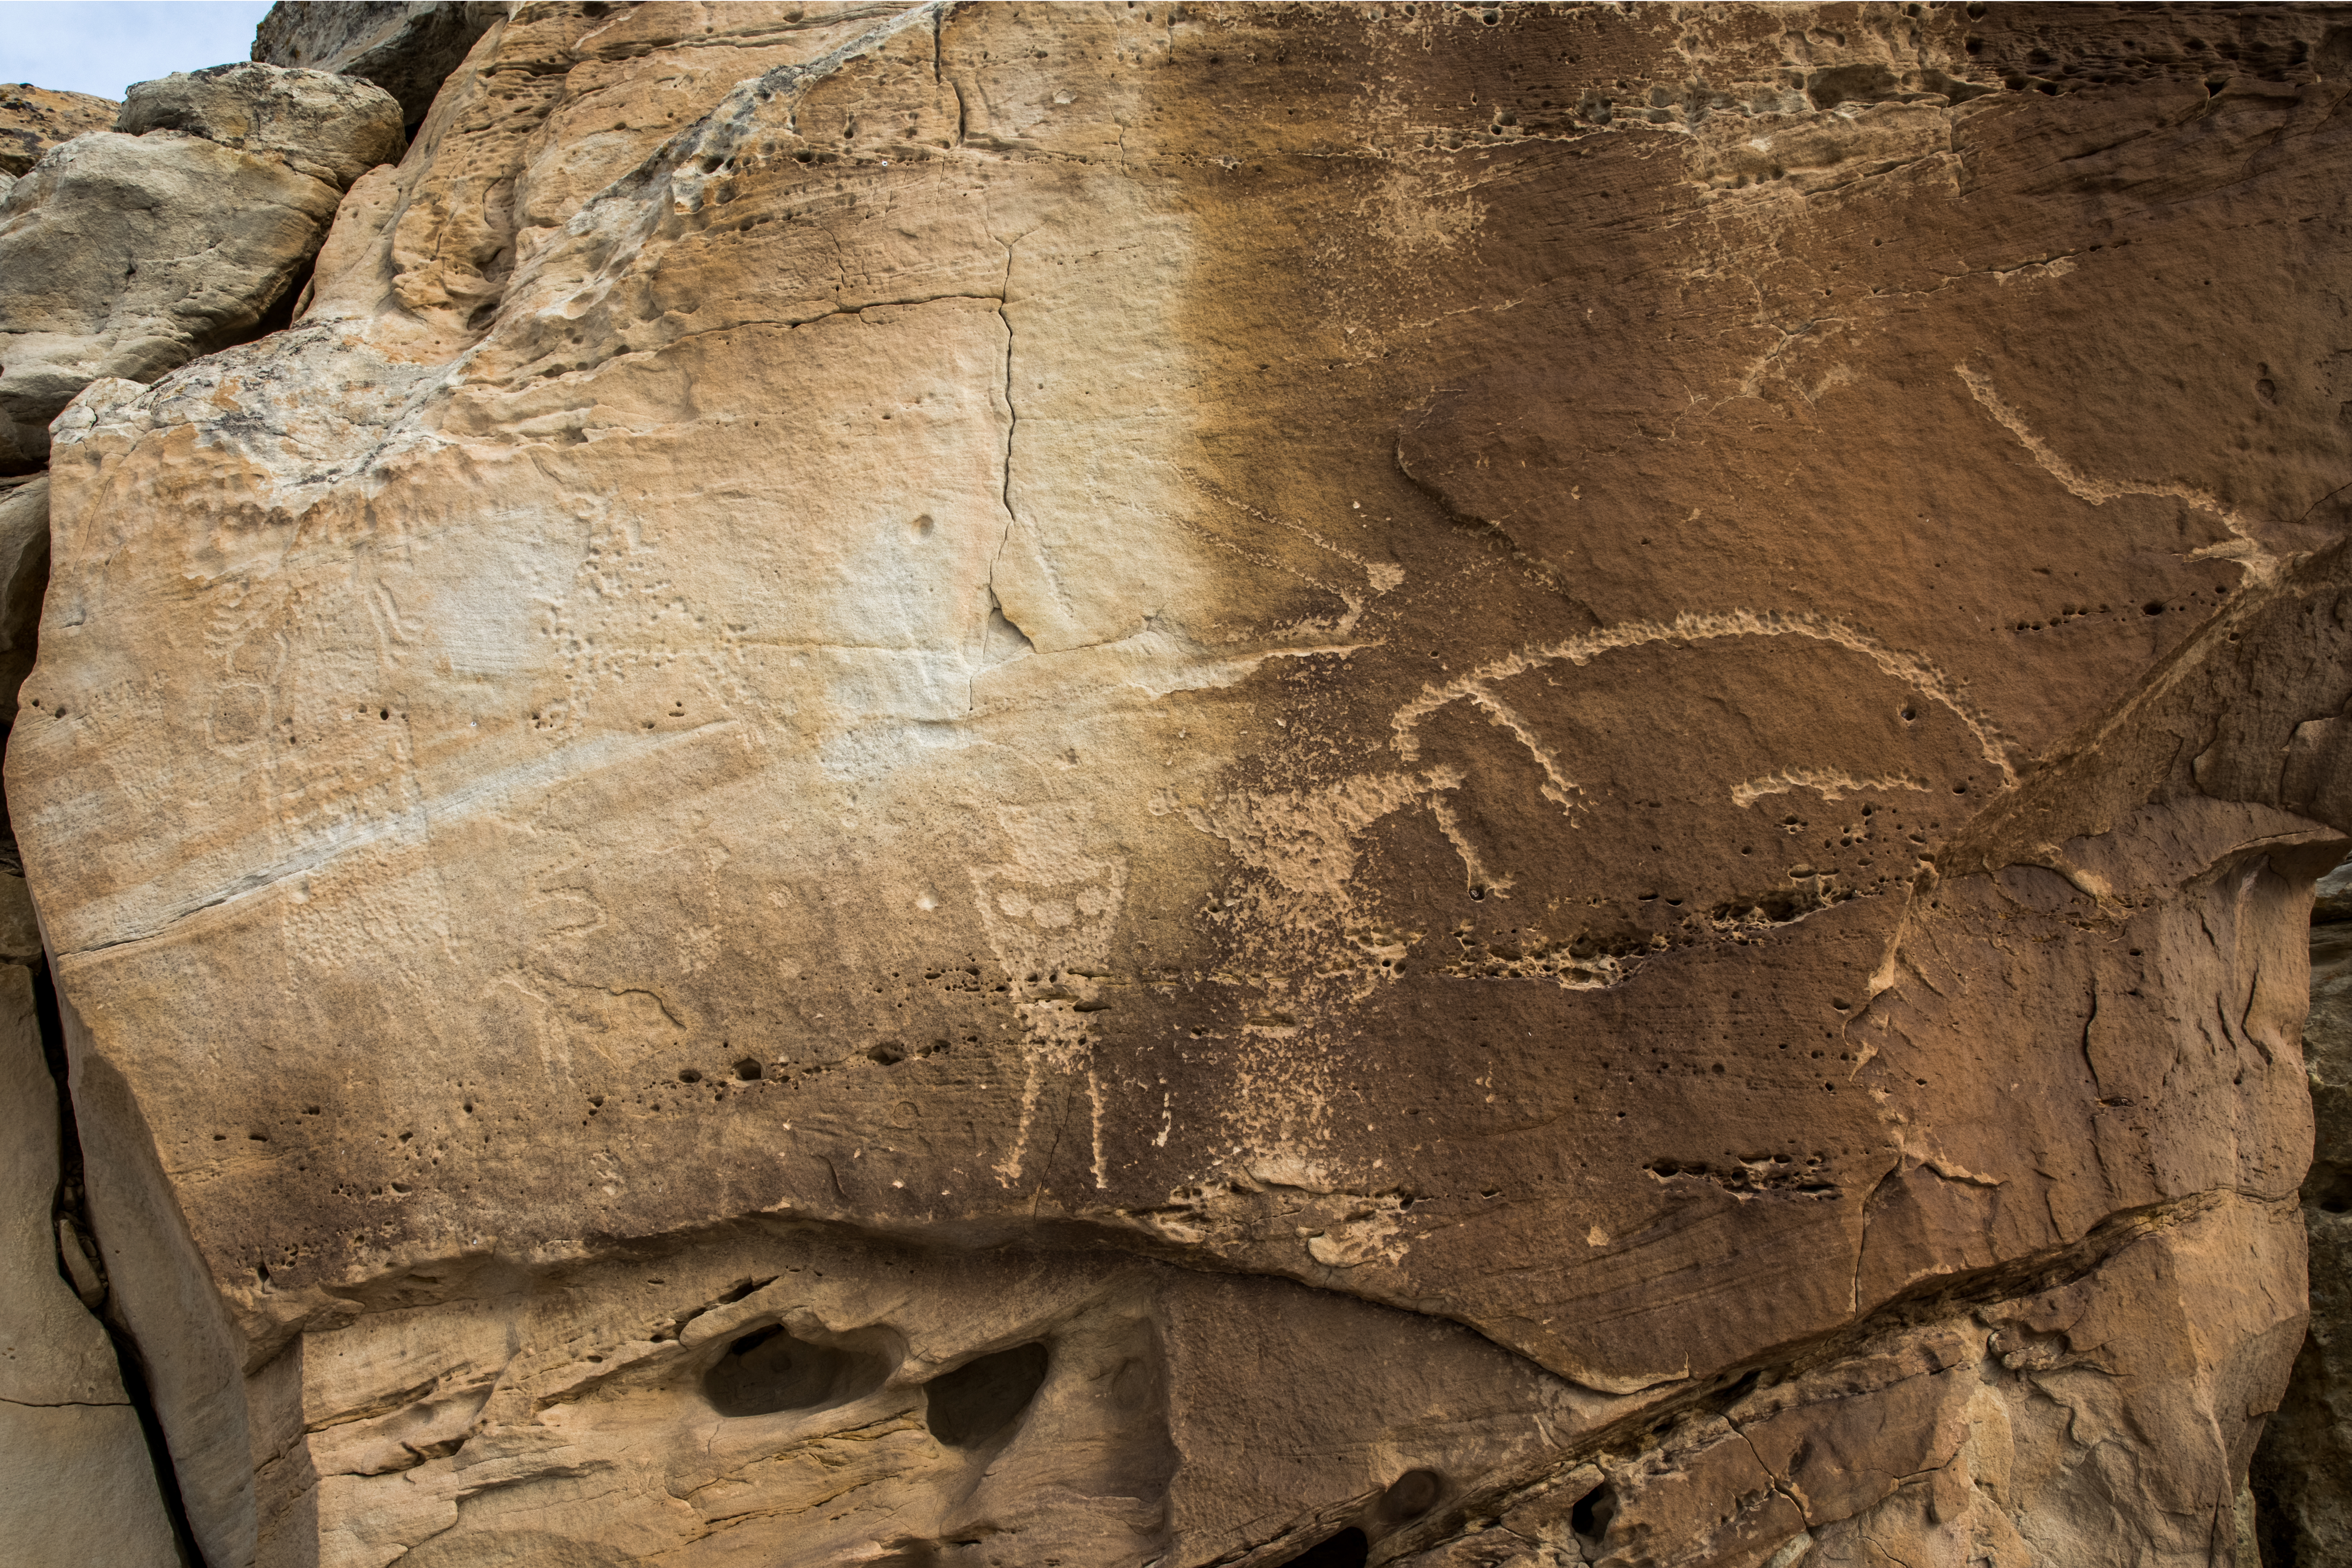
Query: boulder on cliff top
[332, 128]
[132, 251]
[35, 119]
[408, 47]
[129, 255]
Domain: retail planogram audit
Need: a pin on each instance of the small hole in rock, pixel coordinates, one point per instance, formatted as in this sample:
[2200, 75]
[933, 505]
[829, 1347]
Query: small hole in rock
[1411, 1494]
[1348, 1548]
[768, 1371]
[1590, 1516]
[748, 1069]
[2334, 1193]
[690, 1074]
[983, 1400]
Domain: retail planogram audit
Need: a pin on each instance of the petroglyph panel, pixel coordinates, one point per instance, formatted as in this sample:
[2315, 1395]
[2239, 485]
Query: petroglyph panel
[901, 748]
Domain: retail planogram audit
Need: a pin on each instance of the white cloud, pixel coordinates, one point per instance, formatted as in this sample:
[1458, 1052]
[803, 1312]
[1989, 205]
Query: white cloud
[104, 45]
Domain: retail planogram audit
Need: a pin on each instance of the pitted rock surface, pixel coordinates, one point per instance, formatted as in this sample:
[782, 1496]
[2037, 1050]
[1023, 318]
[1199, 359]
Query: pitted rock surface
[1227, 785]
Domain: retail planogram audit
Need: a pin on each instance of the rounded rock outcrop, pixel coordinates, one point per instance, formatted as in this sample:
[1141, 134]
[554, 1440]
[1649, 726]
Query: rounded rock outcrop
[331, 128]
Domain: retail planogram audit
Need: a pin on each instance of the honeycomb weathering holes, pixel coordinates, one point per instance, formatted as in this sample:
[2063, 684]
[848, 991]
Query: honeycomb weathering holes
[982, 1400]
[768, 1371]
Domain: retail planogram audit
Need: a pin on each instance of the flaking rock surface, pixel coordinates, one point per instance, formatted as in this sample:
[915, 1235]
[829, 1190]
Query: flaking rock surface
[1172, 785]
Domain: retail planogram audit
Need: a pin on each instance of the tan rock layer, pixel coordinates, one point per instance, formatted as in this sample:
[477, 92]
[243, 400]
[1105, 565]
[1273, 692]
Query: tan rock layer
[1663, 683]
[35, 119]
[313, 123]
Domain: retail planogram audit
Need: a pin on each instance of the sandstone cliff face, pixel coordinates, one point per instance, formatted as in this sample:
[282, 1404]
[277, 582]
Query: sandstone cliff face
[77, 1484]
[1152, 784]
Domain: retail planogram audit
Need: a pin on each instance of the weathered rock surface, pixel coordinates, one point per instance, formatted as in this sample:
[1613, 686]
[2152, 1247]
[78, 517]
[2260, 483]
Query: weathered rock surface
[328, 127]
[127, 256]
[2331, 901]
[408, 47]
[2303, 1472]
[23, 578]
[35, 119]
[1120, 784]
[76, 1483]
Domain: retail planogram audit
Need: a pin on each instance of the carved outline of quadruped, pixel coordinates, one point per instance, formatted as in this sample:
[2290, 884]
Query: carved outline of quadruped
[1692, 626]
[2261, 564]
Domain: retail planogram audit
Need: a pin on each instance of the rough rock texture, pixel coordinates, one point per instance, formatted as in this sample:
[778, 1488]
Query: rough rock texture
[324, 126]
[2332, 899]
[35, 119]
[24, 577]
[408, 47]
[76, 1483]
[128, 255]
[1111, 784]
[2303, 1471]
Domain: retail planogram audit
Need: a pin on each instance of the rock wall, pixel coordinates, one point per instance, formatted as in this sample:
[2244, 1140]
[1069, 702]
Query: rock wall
[76, 1482]
[2302, 1473]
[217, 186]
[408, 47]
[1132, 783]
